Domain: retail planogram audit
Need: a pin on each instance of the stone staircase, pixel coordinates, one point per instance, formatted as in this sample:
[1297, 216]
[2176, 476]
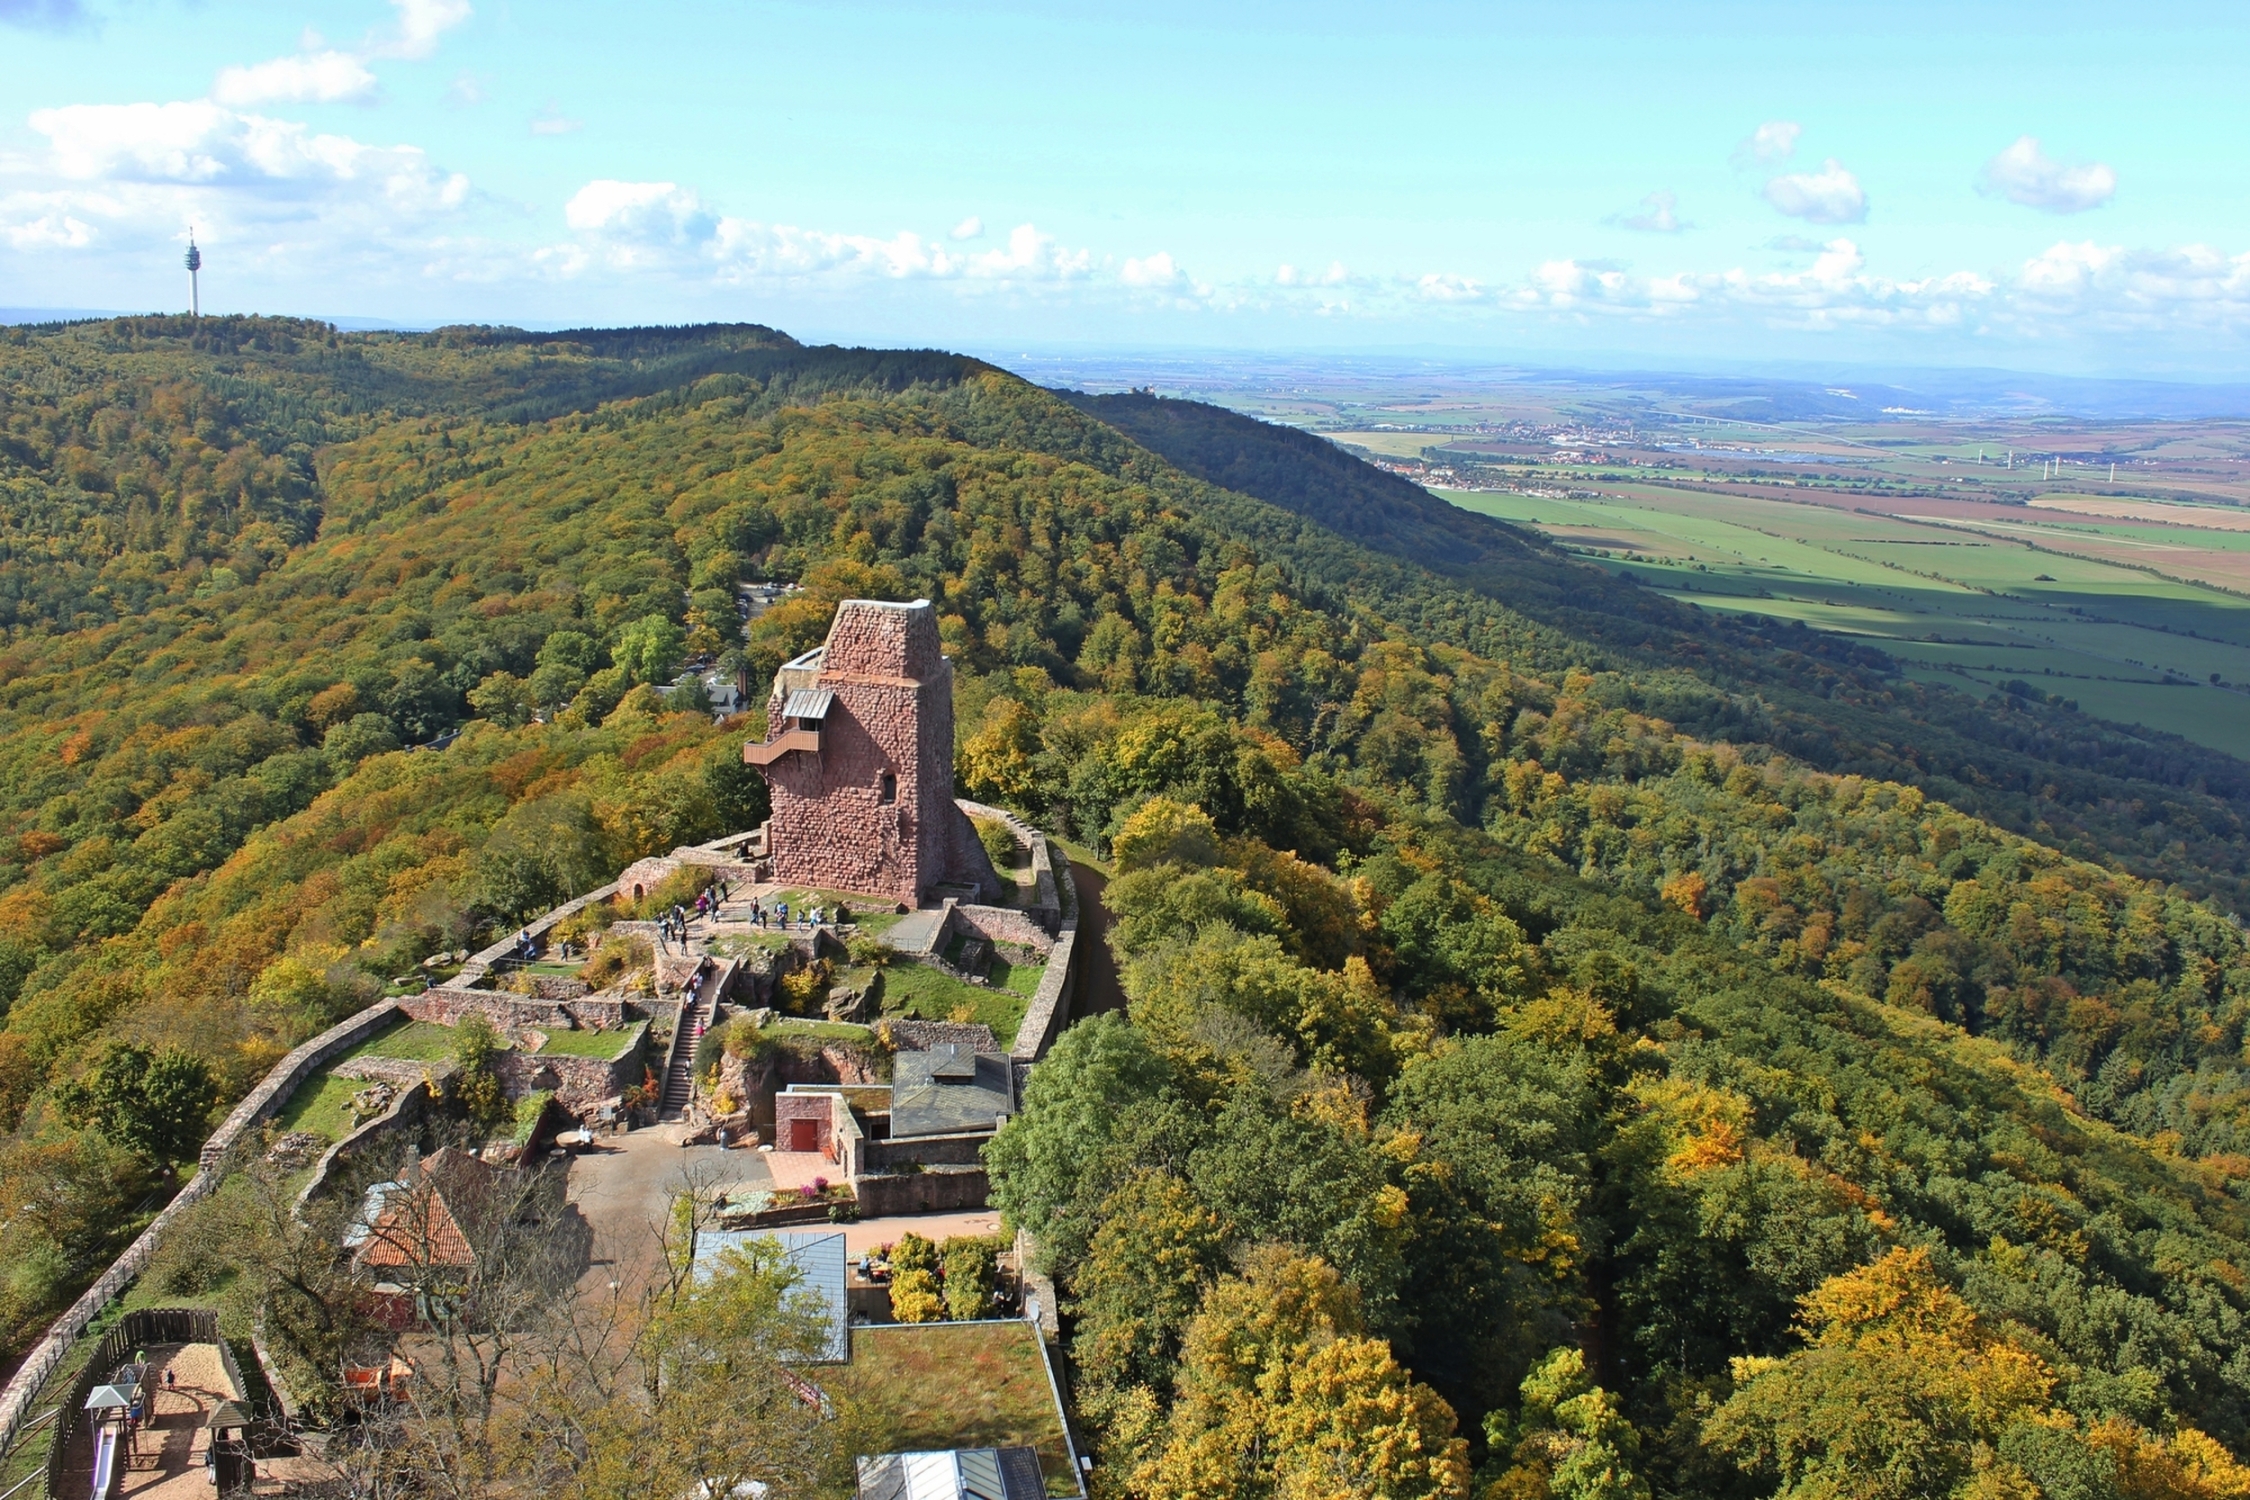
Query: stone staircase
[695, 1018]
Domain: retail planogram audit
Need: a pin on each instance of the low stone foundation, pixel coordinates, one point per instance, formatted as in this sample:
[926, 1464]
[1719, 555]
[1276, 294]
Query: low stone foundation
[1013, 932]
[643, 876]
[445, 1005]
[398, 1070]
[934, 1191]
[920, 1036]
[966, 1150]
[577, 1082]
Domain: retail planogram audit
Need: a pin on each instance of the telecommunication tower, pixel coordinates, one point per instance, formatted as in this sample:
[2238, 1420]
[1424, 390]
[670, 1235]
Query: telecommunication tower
[194, 264]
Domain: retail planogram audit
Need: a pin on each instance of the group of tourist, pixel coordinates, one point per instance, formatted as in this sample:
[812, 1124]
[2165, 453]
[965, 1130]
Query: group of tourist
[777, 915]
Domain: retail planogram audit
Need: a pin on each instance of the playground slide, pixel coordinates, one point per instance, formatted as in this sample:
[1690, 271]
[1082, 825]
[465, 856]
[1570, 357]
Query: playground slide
[105, 1462]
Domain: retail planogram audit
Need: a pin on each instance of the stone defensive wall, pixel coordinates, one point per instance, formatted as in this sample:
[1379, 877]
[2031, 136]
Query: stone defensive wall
[279, 1083]
[1047, 926]
[407, 1112]
[578, 1083]
[446, 1004]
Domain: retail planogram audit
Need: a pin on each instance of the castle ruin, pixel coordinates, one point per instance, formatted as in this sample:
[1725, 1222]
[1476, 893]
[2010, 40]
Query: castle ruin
[859, 757]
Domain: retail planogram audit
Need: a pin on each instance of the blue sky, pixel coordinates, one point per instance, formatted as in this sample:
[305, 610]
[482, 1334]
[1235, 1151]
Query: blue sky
[2058, 185]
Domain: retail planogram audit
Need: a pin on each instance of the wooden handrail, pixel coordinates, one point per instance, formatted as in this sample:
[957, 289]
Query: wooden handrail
[765, 753]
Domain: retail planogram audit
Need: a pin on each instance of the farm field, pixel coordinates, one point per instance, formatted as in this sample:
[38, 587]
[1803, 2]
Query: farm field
[1962, 600]
[2090, 542]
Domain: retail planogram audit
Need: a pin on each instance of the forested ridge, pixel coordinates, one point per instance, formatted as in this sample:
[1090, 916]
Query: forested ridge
[1558, 1061]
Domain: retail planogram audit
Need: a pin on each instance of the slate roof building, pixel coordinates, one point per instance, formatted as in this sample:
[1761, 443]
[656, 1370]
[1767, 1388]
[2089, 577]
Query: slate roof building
[858, 755]
[950, 1090]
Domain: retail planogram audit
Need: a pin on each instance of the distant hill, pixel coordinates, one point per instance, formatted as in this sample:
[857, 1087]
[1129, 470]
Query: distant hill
[2027, 764]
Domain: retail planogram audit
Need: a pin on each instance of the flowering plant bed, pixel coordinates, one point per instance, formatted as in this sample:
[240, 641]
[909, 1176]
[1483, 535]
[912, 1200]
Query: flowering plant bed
[766, 1208]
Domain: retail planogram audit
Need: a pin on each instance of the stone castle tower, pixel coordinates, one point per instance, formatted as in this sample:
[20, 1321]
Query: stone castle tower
[859, 756]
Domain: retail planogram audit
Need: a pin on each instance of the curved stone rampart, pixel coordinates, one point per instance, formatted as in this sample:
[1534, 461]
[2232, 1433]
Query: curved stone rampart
[279, 1083]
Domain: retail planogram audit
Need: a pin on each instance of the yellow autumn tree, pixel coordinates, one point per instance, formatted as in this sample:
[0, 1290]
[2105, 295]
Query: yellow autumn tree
[1283, 1397]
[1902, 1391]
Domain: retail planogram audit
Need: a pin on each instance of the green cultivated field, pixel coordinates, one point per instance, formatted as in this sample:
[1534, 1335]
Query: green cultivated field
[1951, 603]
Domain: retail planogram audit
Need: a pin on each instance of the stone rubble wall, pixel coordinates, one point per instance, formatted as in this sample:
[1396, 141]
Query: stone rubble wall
[407, 1112]
[445, 1005]
[647, 874]
[1045, 906]
[279, 1083]
[963, 1150]
[920, 1036]
[1004, 927]
[1051, 1004]
[922, 1192]
[480, 964]
[401, 1071]
[578, 1083]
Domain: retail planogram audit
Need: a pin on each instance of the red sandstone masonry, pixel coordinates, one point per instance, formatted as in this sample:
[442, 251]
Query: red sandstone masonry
[872, 809]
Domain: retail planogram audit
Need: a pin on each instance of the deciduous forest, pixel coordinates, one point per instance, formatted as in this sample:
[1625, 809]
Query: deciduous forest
[1575, 1046]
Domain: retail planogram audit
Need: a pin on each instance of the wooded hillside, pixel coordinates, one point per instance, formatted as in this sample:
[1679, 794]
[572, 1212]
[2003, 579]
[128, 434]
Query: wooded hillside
[1572, 1049]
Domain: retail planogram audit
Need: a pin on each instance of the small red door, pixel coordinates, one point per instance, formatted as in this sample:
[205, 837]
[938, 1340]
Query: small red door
[804, 1135]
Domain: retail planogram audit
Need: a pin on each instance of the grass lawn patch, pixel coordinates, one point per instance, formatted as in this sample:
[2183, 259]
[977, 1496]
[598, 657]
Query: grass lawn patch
[742, 944]
[959, 1385]
[1081, 854]
[926, 994]
[845, 1031]
[416, 1041]
[1021, 978]
[606, 1046]
[321, 1106]
[872, 915]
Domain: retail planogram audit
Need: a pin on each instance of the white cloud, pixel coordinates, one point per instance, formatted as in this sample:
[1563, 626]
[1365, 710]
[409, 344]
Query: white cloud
[552, 121]
[1831, 195]
[1152, 271]
[311, 78]
[1774, 141]
[56, 230]
[644, 226]
[1031, 256]
[1289, 275]
[420, 24]
[466, 90]
[321, 74]
[198, 142]
[121, 179]
[969, 229]
[2110, 288]
[1443, 287]
[640, 213]
[2025, 174]
[1658, 214]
